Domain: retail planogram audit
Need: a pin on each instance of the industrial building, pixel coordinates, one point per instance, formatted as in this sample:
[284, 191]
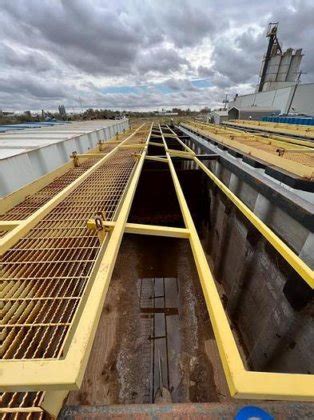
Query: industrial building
[279, 68]
[218, 116]
[297, 99]
[280, 87]
[250, 113]
[159, 271]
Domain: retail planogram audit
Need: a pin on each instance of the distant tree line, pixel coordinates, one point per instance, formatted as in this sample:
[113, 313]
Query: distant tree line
[90, 114]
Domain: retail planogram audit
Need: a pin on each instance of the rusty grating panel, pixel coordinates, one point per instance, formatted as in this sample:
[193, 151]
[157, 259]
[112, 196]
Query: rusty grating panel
[44, 276]
[35, 201]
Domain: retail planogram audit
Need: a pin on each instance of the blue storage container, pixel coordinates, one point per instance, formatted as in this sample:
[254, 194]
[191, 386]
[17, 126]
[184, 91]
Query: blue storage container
[290, 120]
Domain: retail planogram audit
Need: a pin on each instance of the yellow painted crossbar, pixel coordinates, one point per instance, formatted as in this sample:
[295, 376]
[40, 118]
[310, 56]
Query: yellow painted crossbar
[132, 146]
[6, 225]
[142, 229]
[89, 155]
[153, 143]
[16, 410]
[156, 159]
[111, 142]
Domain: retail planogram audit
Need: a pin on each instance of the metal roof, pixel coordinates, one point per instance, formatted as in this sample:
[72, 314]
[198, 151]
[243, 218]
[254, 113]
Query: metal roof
[34, 138]
[254, 109]
[222, 113]
[26, 155]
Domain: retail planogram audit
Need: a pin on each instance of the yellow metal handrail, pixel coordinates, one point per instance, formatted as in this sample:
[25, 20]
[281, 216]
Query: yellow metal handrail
[241, 382]
[58, 376]
[268, 156]
[290, 256]
[26, 225]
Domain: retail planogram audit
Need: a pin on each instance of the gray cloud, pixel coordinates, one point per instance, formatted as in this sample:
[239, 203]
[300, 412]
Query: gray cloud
[237, 59]
[159, 60]
[52, 52]
[33, 86]
[32, 60]
[185, 23]
[240, 64]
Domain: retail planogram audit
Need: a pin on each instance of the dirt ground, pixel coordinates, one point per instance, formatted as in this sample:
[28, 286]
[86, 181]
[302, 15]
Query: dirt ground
[119, 370]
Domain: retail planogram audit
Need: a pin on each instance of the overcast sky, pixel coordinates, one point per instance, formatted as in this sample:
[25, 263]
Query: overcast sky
[141, 53]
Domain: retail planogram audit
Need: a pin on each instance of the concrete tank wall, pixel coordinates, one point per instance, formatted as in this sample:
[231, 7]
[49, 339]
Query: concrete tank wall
[270, 306]
[260, 293]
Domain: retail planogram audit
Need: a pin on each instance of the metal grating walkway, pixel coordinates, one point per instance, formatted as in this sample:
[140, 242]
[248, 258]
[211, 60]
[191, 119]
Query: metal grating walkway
[43, 297]
[35, 201]
[44, 276]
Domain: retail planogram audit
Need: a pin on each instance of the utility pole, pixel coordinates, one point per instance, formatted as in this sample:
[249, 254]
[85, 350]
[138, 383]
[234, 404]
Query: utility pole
[294, 90]
[225, 101]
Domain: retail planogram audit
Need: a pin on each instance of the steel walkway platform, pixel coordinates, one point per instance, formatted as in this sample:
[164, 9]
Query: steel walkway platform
[292, 130]
[58, 255]
[292, 156]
